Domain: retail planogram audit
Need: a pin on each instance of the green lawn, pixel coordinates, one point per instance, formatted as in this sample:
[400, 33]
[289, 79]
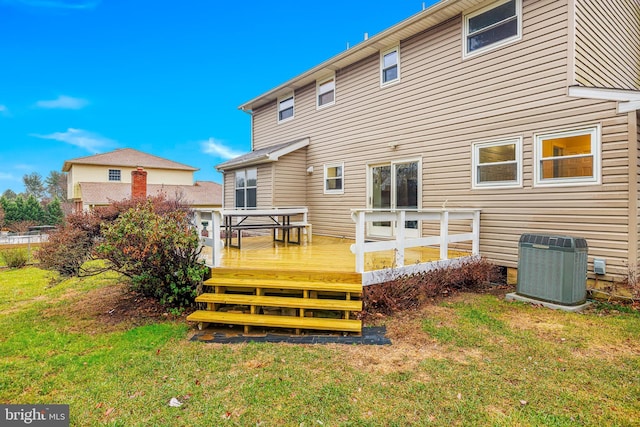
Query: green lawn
[471, 360]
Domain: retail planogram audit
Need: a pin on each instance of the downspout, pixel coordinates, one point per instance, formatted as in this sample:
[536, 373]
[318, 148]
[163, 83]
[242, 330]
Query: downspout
[632, 245]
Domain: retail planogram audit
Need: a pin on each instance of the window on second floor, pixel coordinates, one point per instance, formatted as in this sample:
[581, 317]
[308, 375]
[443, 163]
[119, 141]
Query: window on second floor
[115, 175]
[390, 66]
[285, 108]
[333, 179]
[326, 92]
[246, 189]
[492, 26]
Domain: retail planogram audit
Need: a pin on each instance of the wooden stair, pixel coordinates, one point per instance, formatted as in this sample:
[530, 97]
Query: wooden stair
[312, 300]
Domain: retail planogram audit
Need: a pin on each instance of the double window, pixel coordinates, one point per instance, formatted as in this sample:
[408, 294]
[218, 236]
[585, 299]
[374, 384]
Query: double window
[390, 66]
[246, 187]
[115, 175]
[326, 92]
[497, 163]
[492, 26]
[285, 108]
[568, 157]
[333, 178]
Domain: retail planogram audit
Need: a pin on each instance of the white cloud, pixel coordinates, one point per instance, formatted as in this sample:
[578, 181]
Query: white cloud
[4, 111]
[8, 177]
[56, 4]
[64, 102]
[218, 149]
[90, 141]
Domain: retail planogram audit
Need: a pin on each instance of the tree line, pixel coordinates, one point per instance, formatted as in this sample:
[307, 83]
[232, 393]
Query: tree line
[40, 204]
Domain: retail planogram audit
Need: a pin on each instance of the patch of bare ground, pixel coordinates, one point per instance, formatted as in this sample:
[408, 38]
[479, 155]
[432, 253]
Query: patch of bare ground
[107, 309]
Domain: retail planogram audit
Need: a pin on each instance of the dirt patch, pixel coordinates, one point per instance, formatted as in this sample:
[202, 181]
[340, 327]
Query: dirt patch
[108, 309]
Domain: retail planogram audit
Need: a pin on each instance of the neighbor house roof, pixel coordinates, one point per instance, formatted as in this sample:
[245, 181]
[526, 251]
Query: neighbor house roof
[427, 18]
[202, 193]
[264, 155]
[127, 157]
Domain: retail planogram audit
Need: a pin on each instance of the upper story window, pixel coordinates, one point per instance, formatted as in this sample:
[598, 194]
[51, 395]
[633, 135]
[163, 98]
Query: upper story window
[115, 175]
[390, 66]
[568, 158]
[326, 92]
[285, 108]
[333, 180]
[497, 163]
[246, 189]
[492, 26]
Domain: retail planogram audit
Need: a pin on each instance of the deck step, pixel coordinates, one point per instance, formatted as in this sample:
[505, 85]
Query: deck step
[291, 275]
[287, 302]
[274, 283]
[294, 322]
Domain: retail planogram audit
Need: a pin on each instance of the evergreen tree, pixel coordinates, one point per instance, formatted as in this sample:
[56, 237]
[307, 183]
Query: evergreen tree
[19, 211]
[56, 185]
[10, 208]
[33, 185]
[33, 210]
[9, 194]
[53, 214]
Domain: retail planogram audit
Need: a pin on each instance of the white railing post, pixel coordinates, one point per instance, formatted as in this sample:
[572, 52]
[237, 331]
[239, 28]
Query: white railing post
[444, 235]
[475, 230]
[358, 247]
[400, 232]
[216, 218]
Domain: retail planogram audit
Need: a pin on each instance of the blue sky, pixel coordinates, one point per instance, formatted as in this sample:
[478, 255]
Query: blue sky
[79, 77]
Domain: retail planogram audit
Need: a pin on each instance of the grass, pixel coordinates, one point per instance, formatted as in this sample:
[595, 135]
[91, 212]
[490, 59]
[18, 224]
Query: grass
[471, 360]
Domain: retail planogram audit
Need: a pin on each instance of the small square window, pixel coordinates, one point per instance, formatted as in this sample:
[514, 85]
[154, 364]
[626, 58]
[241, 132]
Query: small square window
[497, 163]
[285, 108]
[390, 66]
[568, 158]
[115, 175]
[493, 26]
[333, 179]
[326, 92]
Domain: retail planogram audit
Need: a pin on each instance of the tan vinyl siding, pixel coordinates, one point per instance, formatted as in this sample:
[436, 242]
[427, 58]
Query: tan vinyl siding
[290, 180]
[607, 50]
[229, 197]
[439, 108]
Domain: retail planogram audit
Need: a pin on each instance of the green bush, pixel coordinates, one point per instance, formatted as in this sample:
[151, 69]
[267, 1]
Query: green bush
[15, 258]
[159, 250]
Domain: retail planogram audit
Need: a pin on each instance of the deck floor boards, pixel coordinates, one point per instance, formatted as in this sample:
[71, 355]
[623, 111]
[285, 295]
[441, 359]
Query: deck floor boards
[324, 254]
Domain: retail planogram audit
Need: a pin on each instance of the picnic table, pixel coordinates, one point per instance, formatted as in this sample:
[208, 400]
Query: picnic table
[276, 219]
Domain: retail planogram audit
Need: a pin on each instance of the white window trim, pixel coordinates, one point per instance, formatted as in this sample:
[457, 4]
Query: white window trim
[595, 132]
[284, 98]
[476, 146]
[324, 180]
[512, 39]
[119, 175]
[319, 83]
[245, 188]
[382, 54]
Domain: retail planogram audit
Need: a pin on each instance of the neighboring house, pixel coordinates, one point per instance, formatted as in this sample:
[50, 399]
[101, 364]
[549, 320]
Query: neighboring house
[102, 178]
[525, 109]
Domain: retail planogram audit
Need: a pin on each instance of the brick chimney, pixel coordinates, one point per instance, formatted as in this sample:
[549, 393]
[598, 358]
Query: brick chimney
[139, 184]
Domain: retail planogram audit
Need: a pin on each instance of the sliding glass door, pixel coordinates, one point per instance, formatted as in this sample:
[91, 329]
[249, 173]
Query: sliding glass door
[394, 185]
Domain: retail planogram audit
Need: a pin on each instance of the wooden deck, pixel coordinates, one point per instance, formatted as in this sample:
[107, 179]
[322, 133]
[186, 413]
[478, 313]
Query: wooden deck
[324, 254]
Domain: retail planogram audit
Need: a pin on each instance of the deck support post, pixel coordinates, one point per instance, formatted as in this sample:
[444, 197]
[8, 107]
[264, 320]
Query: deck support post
[400, 232]
[444, 235]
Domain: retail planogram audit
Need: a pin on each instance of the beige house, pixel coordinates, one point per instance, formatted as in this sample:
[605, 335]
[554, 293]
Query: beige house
[102, 178]
[524, 109]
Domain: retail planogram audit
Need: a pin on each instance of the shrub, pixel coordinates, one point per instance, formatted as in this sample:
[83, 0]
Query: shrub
[411, 292]
[66, 251]
[158, 249]
[15, 258]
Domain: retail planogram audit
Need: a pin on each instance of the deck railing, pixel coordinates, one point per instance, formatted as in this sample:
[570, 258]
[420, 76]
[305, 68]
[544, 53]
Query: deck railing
[403, 241]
